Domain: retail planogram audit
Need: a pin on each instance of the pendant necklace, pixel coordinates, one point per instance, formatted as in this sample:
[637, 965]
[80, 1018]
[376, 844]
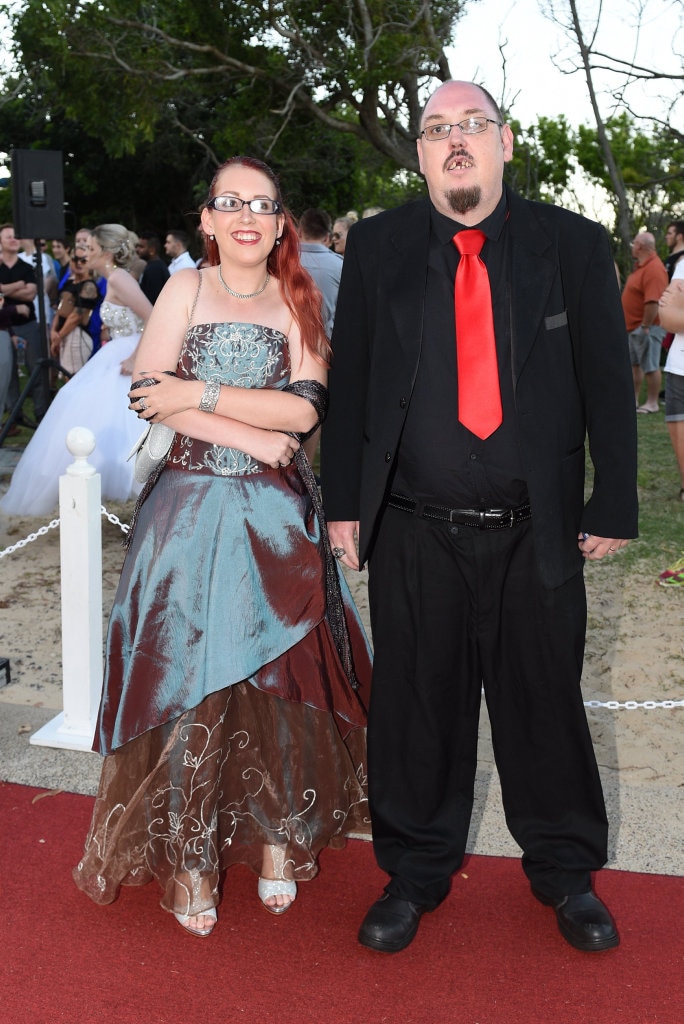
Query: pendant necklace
[240, 295]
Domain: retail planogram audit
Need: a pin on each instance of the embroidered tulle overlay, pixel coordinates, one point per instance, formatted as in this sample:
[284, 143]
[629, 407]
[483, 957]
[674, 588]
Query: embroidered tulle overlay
[262, 741]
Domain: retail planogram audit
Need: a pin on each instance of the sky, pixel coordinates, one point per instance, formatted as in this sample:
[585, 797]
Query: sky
[535, 48]
[536, 87]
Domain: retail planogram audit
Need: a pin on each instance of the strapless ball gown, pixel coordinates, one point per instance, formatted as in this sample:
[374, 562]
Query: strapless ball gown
[96, 397]
[227, 718]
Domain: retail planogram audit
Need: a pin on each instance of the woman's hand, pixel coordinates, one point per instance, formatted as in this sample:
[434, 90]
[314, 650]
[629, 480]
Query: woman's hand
[169, 396]
[127, 368]
[277, 450]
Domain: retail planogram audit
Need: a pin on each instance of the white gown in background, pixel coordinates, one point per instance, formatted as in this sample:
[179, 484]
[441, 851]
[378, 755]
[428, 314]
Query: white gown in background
[95, 397]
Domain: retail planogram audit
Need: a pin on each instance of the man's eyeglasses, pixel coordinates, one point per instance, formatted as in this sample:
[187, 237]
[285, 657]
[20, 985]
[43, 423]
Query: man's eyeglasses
[231, 204]
[470, 126]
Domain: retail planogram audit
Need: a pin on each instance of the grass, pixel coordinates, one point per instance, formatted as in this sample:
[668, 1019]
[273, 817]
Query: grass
[661, 513]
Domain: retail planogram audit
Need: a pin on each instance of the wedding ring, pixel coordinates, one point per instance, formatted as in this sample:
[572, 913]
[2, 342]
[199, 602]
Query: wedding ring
[142, 405]
[338, 552]
[611, 549]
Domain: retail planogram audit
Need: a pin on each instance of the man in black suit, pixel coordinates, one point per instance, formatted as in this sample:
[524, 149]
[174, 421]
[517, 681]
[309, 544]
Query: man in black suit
[476, 547]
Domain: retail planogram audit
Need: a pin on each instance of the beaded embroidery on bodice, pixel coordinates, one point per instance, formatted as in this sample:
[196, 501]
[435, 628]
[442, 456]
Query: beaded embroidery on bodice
[120, 320]
[243, 355]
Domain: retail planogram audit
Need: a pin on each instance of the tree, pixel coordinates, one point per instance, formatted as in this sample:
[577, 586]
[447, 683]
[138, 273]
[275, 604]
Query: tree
[650, 166]
[543, 159]
[591, 61]
[356, 68]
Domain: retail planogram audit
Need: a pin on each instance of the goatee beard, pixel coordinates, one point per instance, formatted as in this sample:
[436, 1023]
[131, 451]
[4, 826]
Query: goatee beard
[462, 200]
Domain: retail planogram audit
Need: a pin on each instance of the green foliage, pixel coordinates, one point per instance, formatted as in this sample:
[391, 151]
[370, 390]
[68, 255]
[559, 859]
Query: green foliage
[650, 163]
[127, 61]
[661, 523]
[543, 159]
[170, 89]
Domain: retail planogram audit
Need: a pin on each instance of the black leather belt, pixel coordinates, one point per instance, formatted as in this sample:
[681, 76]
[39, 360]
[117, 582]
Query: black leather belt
[481, 519]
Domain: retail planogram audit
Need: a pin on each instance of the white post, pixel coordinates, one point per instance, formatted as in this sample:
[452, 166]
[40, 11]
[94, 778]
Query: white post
[81, 591]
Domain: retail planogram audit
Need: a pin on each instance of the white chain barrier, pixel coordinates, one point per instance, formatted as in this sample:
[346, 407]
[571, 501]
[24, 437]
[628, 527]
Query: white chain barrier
[43, 530]
[114, 519]
[80, 537]
[632, 705]
[32, 536]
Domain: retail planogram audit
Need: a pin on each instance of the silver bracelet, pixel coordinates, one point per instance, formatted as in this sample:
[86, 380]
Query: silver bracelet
[210, 396]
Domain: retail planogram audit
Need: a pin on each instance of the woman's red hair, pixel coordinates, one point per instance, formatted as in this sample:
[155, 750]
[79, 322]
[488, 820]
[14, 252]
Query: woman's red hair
[297, 287]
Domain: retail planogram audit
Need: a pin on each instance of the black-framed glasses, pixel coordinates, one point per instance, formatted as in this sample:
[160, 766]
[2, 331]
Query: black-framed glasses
[469, 126]
[231, 204]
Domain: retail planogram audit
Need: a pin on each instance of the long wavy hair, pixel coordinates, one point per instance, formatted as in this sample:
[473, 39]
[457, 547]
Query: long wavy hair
[297, 288]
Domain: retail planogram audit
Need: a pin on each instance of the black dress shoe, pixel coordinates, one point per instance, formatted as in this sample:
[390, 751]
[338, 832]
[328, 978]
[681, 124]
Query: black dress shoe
[391, 924]
[583, 921]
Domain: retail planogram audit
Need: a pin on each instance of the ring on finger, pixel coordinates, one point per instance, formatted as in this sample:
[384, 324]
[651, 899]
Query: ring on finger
[338, 552]
[142, 405]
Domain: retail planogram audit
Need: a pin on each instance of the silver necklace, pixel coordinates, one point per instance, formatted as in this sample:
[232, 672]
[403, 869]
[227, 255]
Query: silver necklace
[240, 295]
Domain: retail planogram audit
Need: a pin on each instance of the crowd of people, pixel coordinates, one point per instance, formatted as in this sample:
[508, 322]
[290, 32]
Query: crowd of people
[75, 290]
[651, 296]
[452, 356]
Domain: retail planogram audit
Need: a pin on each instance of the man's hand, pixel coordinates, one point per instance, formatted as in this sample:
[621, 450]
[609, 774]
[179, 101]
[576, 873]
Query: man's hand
[595, 548]
[344, 537]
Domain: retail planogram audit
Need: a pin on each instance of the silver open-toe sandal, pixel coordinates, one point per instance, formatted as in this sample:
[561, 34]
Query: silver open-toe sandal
[201, 933]
[278, 886]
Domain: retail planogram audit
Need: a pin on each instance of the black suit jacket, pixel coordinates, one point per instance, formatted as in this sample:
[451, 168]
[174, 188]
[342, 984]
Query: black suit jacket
[571, 374]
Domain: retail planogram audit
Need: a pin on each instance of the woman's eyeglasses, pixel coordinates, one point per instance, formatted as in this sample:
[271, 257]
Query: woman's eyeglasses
[231, 204]
[79, 260]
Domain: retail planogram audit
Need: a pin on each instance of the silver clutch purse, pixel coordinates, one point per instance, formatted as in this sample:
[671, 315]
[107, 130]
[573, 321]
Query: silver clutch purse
[150, 449]
[154, 443]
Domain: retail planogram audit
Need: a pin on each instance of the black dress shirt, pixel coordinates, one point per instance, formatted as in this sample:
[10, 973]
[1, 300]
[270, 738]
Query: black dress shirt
[439, 460]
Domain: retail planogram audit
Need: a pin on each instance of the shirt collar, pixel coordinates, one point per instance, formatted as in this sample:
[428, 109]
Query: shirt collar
[492, 226]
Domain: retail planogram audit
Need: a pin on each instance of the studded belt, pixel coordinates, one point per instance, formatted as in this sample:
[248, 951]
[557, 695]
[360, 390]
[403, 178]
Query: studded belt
[481, 519]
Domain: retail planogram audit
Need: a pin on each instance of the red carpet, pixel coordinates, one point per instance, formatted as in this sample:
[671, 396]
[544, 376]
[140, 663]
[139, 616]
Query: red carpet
[490, 955]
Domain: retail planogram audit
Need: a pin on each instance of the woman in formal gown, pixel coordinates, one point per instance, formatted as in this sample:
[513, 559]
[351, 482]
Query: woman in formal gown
[95, 397]
[233, 710]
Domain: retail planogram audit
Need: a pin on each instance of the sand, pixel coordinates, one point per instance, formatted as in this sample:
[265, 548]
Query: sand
[633, 654]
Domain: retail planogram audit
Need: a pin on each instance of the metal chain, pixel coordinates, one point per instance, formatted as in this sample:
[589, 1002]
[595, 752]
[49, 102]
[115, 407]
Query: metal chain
[630, 705]
[53, 524]
[114, 519]
[612, 705]
[27, 540]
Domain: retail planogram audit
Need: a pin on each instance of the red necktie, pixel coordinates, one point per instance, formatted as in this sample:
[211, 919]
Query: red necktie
[479, 397]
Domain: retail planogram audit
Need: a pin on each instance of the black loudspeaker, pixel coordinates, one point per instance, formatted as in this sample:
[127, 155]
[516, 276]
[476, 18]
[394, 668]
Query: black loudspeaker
[37, 193]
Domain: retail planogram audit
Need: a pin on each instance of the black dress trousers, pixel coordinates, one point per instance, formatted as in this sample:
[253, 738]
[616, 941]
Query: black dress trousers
[455, 609]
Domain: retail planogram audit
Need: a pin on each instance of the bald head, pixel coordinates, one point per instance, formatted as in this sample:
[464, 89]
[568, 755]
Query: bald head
[463, 160]
[643, 246]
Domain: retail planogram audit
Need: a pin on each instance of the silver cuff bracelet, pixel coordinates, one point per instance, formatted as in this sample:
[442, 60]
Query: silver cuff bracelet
[210, 396]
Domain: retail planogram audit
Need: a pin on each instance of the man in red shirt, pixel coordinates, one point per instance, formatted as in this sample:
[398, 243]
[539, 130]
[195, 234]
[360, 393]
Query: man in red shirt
[640, 296]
